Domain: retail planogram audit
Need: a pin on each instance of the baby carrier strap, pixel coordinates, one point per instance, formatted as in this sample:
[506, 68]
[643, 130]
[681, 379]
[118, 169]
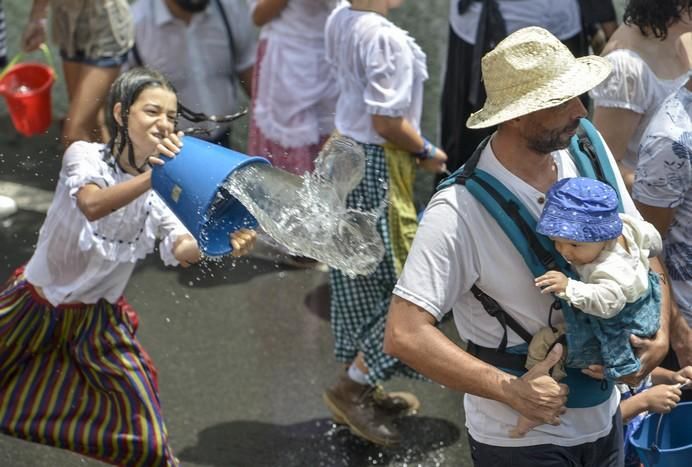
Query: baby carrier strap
[591, 158]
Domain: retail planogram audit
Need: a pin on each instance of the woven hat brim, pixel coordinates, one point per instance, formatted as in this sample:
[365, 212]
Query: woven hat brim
[582, 76]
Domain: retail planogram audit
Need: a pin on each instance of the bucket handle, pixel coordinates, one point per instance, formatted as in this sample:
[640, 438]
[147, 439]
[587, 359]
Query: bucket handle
[46, 53]
[654, 445]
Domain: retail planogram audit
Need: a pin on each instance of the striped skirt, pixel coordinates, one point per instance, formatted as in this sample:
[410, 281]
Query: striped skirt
[75, 377]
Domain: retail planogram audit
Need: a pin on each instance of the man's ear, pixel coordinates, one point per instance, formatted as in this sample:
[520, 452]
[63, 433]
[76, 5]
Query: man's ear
[117, 115]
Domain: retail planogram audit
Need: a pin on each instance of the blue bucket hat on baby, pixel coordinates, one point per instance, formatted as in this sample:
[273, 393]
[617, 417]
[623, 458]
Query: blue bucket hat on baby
[582, 210]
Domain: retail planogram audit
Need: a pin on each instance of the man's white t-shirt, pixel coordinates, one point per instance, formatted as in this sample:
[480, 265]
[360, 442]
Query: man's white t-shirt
[457, 244]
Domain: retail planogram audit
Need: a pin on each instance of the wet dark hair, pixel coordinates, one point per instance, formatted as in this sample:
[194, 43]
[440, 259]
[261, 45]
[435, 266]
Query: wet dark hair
[655, 16]
[126, 89]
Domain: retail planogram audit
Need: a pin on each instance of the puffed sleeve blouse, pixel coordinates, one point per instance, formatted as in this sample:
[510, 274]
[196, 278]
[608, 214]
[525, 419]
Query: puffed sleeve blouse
[77, 260]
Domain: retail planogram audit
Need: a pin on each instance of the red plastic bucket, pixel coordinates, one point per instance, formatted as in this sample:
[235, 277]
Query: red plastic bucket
[26, 89]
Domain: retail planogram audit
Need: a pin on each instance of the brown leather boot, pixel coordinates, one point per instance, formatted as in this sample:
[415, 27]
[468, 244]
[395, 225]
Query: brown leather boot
[354, 404]
[398, 404]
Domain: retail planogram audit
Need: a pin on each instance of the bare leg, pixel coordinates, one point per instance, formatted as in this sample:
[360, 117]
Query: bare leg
[87, 88]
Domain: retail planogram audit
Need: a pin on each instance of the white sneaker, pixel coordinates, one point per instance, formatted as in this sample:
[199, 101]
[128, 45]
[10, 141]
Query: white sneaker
[7, 206]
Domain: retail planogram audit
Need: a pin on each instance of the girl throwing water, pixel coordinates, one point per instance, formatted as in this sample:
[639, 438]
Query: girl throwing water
[72, 373]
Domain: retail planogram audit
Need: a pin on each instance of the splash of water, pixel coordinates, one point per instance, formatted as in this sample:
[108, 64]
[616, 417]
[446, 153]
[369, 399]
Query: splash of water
[308, 214]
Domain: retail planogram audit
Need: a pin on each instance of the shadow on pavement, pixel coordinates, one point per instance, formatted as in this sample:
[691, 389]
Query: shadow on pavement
[317, 301]
[317, 443]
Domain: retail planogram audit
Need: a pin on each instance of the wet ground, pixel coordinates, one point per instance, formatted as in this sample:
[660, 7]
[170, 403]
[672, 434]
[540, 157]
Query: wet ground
[243, 349]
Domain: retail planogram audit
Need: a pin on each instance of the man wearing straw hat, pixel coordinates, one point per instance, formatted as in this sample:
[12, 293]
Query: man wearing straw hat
[533, 84]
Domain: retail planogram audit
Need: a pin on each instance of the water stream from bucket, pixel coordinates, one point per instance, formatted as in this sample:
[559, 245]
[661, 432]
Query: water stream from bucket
[308, 214]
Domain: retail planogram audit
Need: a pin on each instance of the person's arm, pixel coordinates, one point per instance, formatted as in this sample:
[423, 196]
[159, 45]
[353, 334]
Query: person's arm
[96, 202]
[267, 10]
[617, 126]
[661, 398]
[187, 252]
[35, 30]
[399, 132]
[412, 337]
[660, 217]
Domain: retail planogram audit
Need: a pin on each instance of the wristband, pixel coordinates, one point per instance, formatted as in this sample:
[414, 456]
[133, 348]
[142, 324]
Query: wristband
[428, 151]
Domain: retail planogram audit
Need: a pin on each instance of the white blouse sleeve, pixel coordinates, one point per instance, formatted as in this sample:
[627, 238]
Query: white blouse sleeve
[168, 229]
[389, 72]
[81, 165]
[627, 86]
[602, 296]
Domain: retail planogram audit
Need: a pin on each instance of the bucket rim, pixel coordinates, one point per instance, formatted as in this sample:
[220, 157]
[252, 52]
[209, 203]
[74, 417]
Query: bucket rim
[648, 447]
[34, 91]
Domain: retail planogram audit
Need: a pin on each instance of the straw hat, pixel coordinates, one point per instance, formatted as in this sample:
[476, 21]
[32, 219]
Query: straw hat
[532, 70]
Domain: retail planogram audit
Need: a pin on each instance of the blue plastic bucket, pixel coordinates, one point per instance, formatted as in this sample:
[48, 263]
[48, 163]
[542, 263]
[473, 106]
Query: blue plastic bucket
[665, 440]
[189, 184]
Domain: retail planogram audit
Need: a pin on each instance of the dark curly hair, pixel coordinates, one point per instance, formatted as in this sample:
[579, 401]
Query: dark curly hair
[655, 16]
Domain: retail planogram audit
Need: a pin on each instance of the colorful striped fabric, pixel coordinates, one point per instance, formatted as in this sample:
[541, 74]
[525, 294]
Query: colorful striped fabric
[75, 377]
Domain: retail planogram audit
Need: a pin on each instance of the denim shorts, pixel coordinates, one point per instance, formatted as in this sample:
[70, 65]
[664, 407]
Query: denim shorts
[98, 33]
[101, 62]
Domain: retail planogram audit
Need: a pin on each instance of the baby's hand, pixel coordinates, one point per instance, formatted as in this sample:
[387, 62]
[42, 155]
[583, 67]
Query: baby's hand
[169, 147]
[552, 282]
[243, 241]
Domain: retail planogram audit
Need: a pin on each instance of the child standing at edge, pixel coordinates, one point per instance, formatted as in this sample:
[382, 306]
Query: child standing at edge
[610, 254]
[72, 373]
[380, 72]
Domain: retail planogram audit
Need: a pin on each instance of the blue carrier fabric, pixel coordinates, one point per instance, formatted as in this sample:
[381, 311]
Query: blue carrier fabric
[583, 349]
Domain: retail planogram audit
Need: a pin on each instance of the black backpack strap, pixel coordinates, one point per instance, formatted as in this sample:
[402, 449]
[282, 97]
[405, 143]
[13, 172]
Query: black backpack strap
[231, 41]
[495, 310]
[497, 358]
[136, 55]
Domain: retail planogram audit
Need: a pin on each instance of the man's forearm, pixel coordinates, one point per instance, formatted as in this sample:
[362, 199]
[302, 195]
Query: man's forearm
[411, 337]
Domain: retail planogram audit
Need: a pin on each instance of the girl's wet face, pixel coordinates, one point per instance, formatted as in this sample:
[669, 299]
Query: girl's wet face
[151, 118]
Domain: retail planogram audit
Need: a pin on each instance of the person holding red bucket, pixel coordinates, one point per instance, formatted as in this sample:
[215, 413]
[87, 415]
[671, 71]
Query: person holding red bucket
[94, 38]
[72, 373]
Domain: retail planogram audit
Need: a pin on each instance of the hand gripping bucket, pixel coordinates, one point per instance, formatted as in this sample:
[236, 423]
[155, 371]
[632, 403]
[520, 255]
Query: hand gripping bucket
[191, 185]
[665, 440]
[26, 88]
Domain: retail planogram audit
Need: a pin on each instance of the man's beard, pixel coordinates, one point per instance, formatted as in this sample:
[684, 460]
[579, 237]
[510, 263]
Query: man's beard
[192, 6]
[552, 141]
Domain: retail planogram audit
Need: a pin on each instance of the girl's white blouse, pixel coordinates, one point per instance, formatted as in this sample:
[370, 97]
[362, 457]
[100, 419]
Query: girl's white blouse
[380, 70]
[294, 100]
[81, 261]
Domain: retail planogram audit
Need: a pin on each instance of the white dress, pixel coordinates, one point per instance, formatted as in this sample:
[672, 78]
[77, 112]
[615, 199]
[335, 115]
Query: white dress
[81, 261]
[380, 70]
[294, 102]
[633, 86]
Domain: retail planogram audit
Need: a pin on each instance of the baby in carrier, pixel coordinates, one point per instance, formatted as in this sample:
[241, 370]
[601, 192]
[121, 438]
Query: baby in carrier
[610, 253]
